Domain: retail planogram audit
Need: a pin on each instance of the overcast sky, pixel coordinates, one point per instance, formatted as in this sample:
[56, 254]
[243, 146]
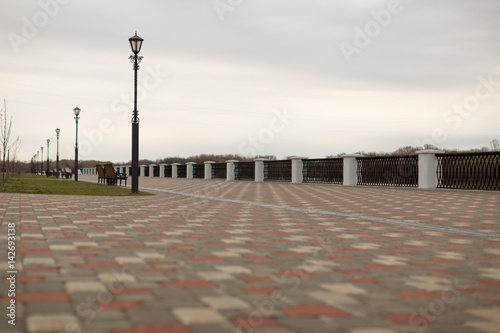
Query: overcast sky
[282, 77]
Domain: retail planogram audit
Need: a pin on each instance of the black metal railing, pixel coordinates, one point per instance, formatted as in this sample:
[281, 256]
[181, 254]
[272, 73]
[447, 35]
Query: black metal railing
[168, 171]
[156, 171]
[388, 171]
[219, 170]
[182, 171]
[198, 170]
[146, 171]
[323, 171]
[470, 171]
[244, 171]
[280, 171]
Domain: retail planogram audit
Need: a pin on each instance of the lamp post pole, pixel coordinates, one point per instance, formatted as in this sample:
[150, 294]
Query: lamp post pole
[48, 167]
[77, 116]
[41, 161]
[57, 163]
[37, 159]
[135, 44]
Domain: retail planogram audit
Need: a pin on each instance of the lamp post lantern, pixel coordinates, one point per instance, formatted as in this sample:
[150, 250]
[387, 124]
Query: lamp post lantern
[57, 163]
[48, 167]
[135, 44]
[77, 116]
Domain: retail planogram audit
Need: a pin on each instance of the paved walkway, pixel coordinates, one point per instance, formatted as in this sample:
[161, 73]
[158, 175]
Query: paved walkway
[217, 256]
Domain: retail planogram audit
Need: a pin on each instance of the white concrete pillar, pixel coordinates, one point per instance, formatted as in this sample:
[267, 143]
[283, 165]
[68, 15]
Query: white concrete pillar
[127, 172]
[427, 168]
[189, 169]
[350, 168]
[230, 166]
[142, 170]
[259, 169]
[208, 169]
[152, 170]
[174, 169]
[162, 170]
[297, 166]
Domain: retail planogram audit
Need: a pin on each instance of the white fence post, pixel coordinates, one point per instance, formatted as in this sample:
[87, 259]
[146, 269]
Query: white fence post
[162, 170]
[427, 168]
[297, 167]
[174, 169]
[350, 168]
[208, 169]
[189, 169]
[259, 169]
[152, 170]
[230, 169]
[142, 170]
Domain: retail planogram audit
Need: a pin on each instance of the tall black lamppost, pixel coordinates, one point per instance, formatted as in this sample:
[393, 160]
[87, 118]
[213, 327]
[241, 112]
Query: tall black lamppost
[41, 161]
[77, 114]
[48, 166]
[57, 163]
[135, 44]
[37, 159]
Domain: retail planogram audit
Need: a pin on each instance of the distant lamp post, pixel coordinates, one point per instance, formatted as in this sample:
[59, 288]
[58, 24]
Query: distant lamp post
[135, 44]
[77, 116]
[41, 161]
[37, 159]
[48, 166]
[57, 163]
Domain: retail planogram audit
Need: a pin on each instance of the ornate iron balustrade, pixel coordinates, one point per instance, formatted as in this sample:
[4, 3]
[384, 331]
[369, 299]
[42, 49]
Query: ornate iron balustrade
[244, 171]
[278, 171]
[168, 171]
[323, 171]
[146, 171]
[219, 170]
[470, 171]
[388, 171]
[156, 171]
[182, 171]
[198, 170]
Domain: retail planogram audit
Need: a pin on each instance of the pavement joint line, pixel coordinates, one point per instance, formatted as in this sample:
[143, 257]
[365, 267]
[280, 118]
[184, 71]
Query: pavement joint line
[332, 213]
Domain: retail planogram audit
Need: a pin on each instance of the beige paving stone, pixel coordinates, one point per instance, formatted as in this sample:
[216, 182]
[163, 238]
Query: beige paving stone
[62, 247]
[233, 269]
[38, 261]
[332, 298]
[129, 260]
[86, 244]
[489, 322]
[224, 254]
[52, 323]
[343, 288]
[489, 272]
[192, 316]
[390, 260]
[117, 276]
[429, 283]
[150, 255]
[225, 302]
[214, 276]
[85, 286]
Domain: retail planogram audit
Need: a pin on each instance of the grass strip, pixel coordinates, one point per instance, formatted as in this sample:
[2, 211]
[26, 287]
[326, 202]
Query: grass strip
[35, 184]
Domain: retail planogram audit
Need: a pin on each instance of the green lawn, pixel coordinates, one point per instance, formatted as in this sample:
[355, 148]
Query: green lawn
[34, 184]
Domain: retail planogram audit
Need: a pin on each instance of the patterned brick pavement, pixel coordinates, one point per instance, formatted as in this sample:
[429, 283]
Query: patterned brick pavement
[216, 256]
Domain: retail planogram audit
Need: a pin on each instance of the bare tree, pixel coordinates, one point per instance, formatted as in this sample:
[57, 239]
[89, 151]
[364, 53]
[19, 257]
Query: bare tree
[495, 145]
[5, 132]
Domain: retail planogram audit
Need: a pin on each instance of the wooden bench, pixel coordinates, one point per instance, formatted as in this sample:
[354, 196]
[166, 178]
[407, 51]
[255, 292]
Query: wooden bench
[101, 176]
[112, 177]
[66, 173]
